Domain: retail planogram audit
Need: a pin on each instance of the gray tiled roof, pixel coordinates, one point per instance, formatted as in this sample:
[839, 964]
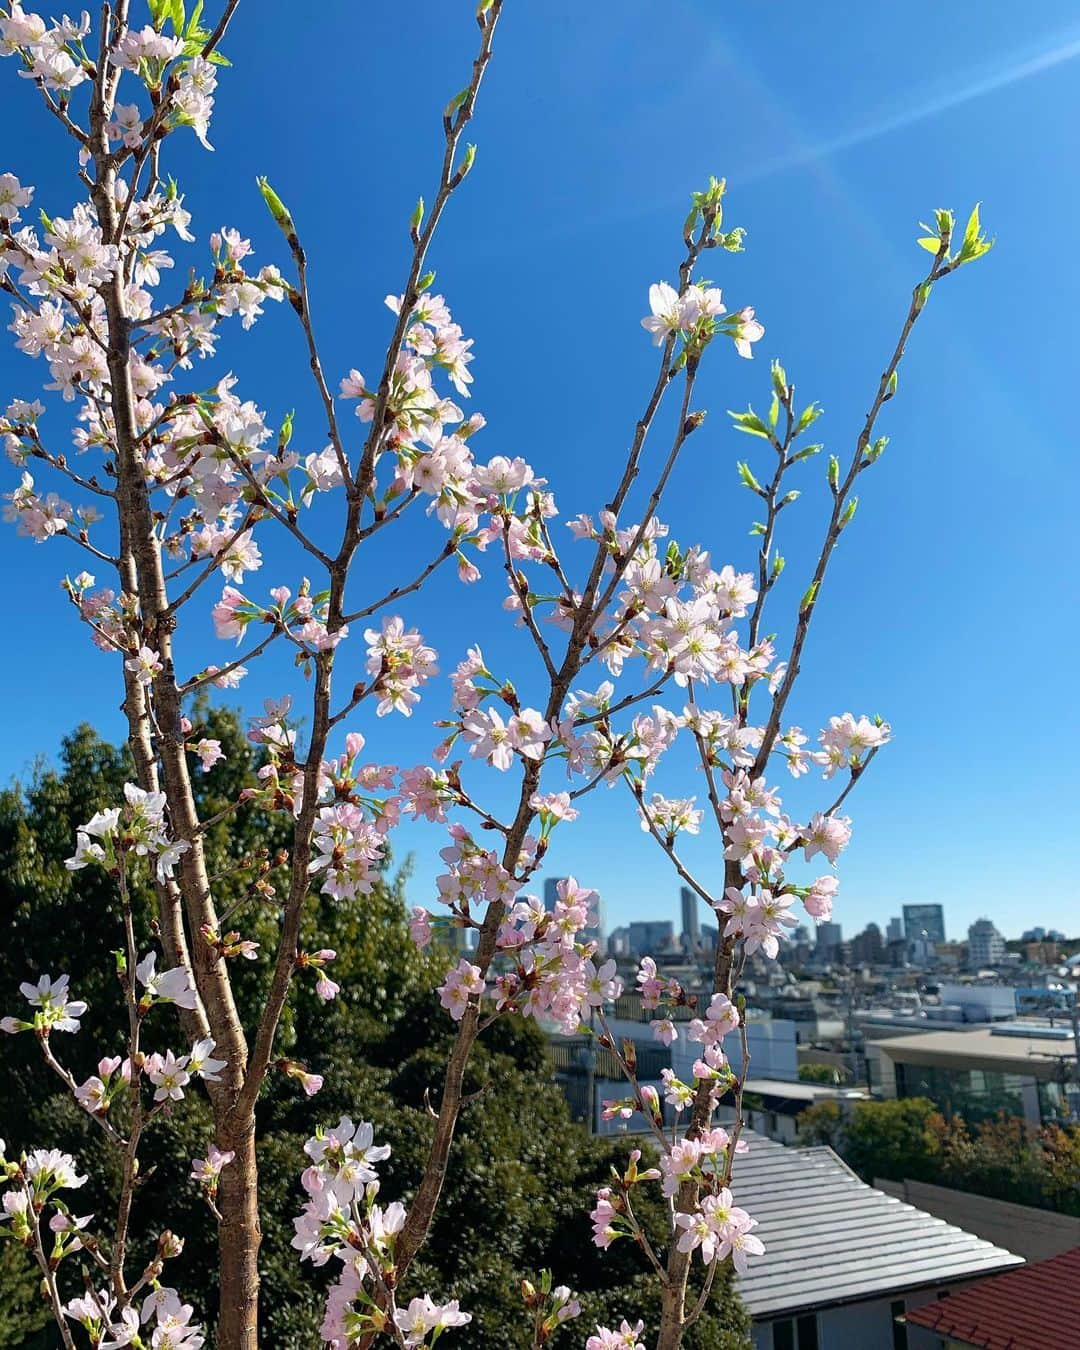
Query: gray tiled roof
[829, 1238]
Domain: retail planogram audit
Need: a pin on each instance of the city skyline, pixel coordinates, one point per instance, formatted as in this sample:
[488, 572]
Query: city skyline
[690, 914]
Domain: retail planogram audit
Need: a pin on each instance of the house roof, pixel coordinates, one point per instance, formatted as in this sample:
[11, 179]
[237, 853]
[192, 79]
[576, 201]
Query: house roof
[830, 1239]
[1034, 1308]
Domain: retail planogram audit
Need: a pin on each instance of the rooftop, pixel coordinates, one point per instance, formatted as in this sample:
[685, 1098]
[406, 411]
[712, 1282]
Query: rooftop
[831, 1239]
[1006, 1048]
[801, 1091]
[1034, 1308]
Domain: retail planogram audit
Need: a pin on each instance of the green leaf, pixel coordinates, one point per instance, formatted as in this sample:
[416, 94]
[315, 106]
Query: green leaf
[808, 417]
[779, 379]
[732, 242]
[749, 422]
[931, 243]
[975, 242]
[774, 412]
[809, 598]
[747, 478]
[193, 22]
[807, 451]
[971, 230]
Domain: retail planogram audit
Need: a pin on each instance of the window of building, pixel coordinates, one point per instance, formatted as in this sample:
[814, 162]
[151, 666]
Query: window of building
[807, 1329]
[899, 1326]
[783, 1335]
[801, 1334]
[975, 1094]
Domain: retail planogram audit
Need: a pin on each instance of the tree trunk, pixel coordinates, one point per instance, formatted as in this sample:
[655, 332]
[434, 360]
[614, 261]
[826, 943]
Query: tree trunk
[672, 1308]
[240, 1234]
[239, 1239]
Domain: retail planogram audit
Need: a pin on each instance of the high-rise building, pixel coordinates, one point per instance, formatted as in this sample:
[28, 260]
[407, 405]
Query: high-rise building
[895, 931]
[691, 926]
[651, 936]
[986, 946]
[924, 921]
[595, 932]
[830, 937]
[619, 942]
[868, 947]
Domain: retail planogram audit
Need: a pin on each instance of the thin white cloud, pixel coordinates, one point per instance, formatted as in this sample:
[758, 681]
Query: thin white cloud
[1060, 51]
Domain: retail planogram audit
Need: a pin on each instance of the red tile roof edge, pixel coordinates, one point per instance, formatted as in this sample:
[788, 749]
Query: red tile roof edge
[1034, 1307]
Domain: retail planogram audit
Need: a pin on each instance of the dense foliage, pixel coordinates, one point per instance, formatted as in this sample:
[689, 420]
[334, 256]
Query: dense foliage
[910, 1139]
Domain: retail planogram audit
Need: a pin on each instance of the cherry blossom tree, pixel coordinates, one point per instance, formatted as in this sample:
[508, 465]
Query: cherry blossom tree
[630, 641]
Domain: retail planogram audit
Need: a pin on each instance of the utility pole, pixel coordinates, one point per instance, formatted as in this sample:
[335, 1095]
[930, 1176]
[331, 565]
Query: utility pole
[590, 1071]
[851, 1030]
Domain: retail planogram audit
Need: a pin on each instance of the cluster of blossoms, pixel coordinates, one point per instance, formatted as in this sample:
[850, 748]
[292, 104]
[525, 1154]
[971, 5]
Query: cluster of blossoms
[137, 828]
[163, 1314]
[718, 1228]
[550, 1307]
[625, 1337]
[342, 1220]
[696, 315]
[357, 807]
[546, 962]
[35, 1181]
[169, 1073]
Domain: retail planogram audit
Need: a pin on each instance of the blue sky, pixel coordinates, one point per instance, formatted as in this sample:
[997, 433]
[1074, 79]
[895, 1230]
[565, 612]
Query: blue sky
[951, 608]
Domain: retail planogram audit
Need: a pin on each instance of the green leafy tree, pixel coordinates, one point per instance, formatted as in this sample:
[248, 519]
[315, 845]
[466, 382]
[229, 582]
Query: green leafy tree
[879, 1139]
[910, 1139]
[821, 1073]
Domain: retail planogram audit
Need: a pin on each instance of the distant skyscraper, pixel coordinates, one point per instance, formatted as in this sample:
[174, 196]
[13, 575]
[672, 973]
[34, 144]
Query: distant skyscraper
[924, 919]
[691, 927]
[619, 942]
[867, 947]
[595, 932]
[986, 946]
[651, 936]
[895, 931]
[829, 938]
